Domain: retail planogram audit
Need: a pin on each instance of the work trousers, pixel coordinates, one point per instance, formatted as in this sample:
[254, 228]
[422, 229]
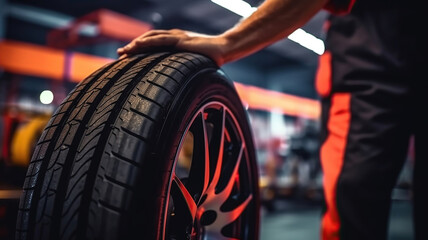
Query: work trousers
[374, 88]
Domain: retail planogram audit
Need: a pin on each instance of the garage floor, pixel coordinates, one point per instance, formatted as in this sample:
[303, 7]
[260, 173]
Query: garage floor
[291, 220]
[297, 220]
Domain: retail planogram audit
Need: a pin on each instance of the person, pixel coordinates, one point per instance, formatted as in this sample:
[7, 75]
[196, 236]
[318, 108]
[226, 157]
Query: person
[372, 98]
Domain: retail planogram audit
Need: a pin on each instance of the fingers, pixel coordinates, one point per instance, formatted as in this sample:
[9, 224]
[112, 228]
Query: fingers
[152, 33]
[158, 40]
[154, 38]
[122, 56]
[145, 44]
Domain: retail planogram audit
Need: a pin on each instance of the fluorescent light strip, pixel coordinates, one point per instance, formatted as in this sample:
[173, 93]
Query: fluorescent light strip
[308, 41]
[239, 7]
[299, 36]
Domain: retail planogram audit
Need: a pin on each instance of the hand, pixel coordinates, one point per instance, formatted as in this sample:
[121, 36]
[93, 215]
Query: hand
[210, 46]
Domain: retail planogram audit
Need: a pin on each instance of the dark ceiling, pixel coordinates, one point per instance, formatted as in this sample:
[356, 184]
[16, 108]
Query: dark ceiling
[197, 15]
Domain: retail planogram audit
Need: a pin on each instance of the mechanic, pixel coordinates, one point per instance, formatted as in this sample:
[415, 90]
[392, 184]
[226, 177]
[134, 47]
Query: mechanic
[371, 99]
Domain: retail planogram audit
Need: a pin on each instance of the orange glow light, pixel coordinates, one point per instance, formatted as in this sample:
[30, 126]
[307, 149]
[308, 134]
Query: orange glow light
[35, 60]
[30, 59]
[268, 100]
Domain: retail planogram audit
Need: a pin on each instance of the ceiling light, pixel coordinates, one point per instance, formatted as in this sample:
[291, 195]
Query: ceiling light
[239, 7]
[46, 97]
[299, 36]
[308, 41]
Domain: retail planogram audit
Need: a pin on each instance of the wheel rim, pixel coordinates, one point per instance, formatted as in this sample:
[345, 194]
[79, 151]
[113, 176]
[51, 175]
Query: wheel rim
[210, 190]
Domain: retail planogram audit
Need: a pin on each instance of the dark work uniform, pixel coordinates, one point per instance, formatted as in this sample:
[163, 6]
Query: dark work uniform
[374, 98]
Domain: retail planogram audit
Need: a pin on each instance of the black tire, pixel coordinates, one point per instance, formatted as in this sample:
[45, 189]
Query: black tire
[109, 163]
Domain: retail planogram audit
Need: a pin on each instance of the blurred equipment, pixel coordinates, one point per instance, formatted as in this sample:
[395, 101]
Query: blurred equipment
[98, 26]
[25, 139]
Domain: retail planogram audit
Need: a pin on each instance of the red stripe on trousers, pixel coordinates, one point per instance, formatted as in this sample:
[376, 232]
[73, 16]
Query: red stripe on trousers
[323, 75]
[332, 157]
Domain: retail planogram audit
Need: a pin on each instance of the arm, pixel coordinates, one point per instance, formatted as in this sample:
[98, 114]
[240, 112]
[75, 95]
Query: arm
[273, 20]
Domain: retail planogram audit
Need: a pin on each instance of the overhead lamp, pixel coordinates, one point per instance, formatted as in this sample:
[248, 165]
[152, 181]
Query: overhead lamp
[308, 41]
[299, 36]
[46, 97]
[239, 7]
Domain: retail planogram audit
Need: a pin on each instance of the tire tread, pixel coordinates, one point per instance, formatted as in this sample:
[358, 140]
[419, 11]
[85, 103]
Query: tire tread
[80, 181]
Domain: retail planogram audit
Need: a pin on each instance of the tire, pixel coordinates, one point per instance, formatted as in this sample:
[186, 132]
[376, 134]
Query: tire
[154, 146]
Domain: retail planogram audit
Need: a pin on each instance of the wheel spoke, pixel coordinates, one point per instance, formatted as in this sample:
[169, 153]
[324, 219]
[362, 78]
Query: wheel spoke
[223, 195]
[206, 156]
[217, 146]
[185, 197]
[198, 180]
[225, 218]
[218, 236]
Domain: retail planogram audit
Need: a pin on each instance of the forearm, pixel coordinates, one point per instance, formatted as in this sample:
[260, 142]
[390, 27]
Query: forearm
[274, 20]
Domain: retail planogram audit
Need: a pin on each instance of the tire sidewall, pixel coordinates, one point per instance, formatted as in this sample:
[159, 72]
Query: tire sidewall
[208, 85]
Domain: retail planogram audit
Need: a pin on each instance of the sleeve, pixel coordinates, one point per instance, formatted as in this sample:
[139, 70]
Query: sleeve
[339, 6]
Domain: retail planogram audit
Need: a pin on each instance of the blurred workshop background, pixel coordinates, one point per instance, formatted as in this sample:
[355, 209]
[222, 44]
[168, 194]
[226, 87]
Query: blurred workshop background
[47, 47]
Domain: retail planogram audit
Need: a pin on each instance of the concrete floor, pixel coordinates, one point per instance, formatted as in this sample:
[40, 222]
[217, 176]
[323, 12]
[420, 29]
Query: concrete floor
[300, 221]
